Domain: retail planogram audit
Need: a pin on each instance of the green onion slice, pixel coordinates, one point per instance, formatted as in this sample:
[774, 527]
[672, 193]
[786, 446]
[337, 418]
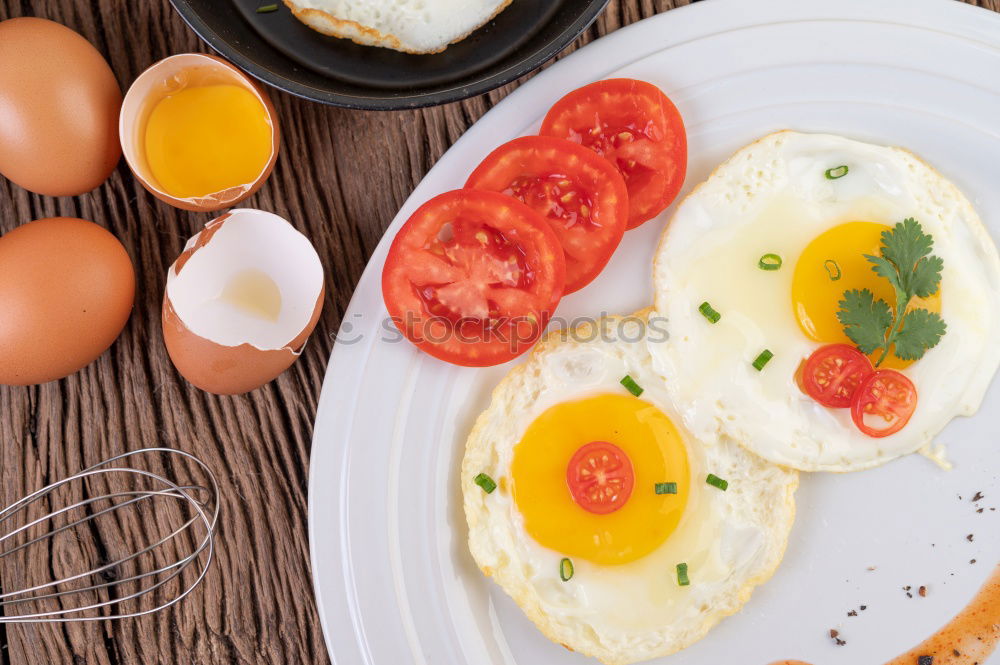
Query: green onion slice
[706, 310]
[666, 488]
[682, 575]
[485, 482]
[631, 385]
[761, 360]
[715, 481]
[769, 262]
[266, 9]
[565, 570]
[836, 172]
[832, 269]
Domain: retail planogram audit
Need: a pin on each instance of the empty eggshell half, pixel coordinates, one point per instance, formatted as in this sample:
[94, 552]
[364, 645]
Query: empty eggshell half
[241, 301]
[167, 77]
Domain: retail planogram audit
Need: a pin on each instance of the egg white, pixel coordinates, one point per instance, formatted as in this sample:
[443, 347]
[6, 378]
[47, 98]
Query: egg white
[773, 197]
[732, 540]
[412, 26]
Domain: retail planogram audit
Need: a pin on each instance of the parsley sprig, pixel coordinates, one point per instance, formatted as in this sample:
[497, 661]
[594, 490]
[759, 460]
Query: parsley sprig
[905, 260]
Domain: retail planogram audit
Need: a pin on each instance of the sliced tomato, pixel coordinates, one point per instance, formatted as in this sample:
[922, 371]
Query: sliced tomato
[833, 373]
[633, 125]
[581, 195]
[600, 477]
[473, 277]
[884, 403]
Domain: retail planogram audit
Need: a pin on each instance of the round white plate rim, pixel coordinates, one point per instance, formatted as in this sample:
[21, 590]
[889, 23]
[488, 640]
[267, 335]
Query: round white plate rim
[337, 399]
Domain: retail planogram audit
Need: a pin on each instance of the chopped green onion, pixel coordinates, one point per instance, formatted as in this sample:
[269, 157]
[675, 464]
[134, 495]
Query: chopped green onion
[565, 570]
[485, 482]
[769, 262]
[715, 481]
[832, 269]
[836, 172]
[682, 575]
[666, 488]
[709, 313]
[266, 9]
[631, 385]
[761, 360]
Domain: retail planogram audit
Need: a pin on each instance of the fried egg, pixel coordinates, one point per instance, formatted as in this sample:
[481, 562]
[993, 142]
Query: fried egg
[608, 584]
[412, 26]
[782, 196]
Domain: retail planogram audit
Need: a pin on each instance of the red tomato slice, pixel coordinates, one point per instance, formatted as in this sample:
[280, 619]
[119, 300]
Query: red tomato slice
[888, 398]
[633, 125]
[600, 477]
[833, 373]
[581, 195]
[473, 277]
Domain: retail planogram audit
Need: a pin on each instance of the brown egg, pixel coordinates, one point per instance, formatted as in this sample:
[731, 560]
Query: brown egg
[59, 104]
[241, 301]
[66, 291]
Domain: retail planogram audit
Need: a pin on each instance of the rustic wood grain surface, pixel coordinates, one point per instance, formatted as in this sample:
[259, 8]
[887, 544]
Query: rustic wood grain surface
[256, 606]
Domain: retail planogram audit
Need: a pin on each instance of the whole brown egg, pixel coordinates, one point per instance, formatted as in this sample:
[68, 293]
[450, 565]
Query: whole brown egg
[59, 105]
[66, 291]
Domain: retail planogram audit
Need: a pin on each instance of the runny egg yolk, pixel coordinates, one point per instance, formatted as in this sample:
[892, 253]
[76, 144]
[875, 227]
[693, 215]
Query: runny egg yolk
[206, 139]
[832, 263]
[657, 454]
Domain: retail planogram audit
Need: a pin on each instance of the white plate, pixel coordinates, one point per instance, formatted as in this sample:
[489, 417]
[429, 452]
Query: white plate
[394, 580]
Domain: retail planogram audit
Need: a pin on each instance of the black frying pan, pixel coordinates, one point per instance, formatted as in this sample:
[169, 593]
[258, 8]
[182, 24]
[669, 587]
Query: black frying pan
[279, 50]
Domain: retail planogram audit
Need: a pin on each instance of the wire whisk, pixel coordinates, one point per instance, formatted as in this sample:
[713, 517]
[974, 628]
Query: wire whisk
[112, 541]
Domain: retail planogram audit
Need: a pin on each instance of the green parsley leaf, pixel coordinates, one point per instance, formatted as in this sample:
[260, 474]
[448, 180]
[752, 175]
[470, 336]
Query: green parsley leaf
[866, 320]
[927, 276]
[921, 330]
[904, 245]
[905, 261]
[885, 268]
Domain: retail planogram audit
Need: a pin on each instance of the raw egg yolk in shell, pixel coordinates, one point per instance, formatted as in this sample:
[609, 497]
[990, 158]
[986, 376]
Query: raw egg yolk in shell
[832, 263]
[585, 475]
[207, 139]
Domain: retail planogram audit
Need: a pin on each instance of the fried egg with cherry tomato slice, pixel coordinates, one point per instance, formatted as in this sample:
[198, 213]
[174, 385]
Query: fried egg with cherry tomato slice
[772, 241]
[600, 521]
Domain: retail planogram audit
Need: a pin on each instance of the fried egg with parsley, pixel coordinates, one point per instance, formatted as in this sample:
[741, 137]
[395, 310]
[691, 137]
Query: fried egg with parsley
[815, 204]
[411, 26]
[620, 534]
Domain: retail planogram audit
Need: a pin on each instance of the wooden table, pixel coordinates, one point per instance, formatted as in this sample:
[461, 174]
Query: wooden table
[256, 606]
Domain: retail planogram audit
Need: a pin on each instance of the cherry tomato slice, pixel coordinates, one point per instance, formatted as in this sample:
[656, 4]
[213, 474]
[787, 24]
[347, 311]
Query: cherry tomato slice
[473, 277]
[888, 398]
[582, 196]
[600, 477]
[633, 125]
[833, 373]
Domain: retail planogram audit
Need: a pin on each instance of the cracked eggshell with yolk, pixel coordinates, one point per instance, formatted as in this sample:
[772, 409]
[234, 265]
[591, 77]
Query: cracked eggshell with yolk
[170, 76]
[241, 301]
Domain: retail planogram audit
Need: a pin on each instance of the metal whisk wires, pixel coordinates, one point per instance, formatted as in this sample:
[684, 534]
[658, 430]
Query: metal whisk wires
[135, 561]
